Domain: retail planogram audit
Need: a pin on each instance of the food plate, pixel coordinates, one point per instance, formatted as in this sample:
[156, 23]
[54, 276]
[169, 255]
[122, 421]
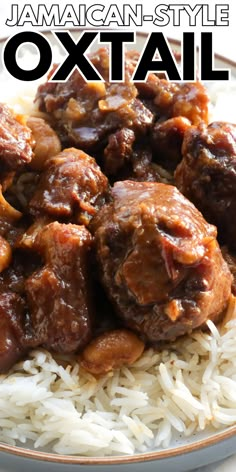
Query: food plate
[182, 455]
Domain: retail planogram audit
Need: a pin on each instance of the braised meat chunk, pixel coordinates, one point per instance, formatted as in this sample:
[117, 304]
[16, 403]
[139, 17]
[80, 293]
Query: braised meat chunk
[159, 261]
[167, 139]
[16, 335]
[104, 271]
[86, 113]
[112, 121]
[118, 151]
[46, 142]
[145, 170]
[71, 188]
[184, 99]
[11, 329]
[169, 99]
[59, 294]
[207, 175]
[15, 140]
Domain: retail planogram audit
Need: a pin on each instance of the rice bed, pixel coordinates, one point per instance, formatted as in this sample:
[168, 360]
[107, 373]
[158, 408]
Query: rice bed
[182, 391]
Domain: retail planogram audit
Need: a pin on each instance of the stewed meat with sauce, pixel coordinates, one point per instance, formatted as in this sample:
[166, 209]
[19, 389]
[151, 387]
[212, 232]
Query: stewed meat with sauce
[12, 348]
[15, 331]
[46, 296]
[16, 152]
[125, 160]
[71, 188]
[118, 152]
[15, 144]
[59, 294]
[170, 99]
[15, 139]
[112, 120]
[86, 114]
[145, 170]
[159, 261]
[46, 142]
[167, 139]
[207, 175]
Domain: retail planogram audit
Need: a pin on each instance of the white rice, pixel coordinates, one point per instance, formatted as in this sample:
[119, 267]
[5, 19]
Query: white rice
[55, 405]
[179, 391]
[18, 94]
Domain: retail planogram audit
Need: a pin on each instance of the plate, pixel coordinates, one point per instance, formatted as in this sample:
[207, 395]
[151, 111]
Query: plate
[182, 455]
[198, 452]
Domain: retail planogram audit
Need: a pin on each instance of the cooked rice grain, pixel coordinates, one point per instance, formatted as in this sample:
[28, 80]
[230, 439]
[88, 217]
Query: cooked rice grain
[164, 394]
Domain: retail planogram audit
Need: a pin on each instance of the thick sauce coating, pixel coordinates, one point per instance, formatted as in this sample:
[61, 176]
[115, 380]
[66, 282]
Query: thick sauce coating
[59, 294]
[112, 121]
[46, 142]
[145, 170]
[45, 292]
[71, 188]
[207, 175]
[167, 138]
[170, 99]
[11, 329]
[16, 336]
[159, 260]
[86, 113]
[118, 151]
[16, 150]
[15, 140]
